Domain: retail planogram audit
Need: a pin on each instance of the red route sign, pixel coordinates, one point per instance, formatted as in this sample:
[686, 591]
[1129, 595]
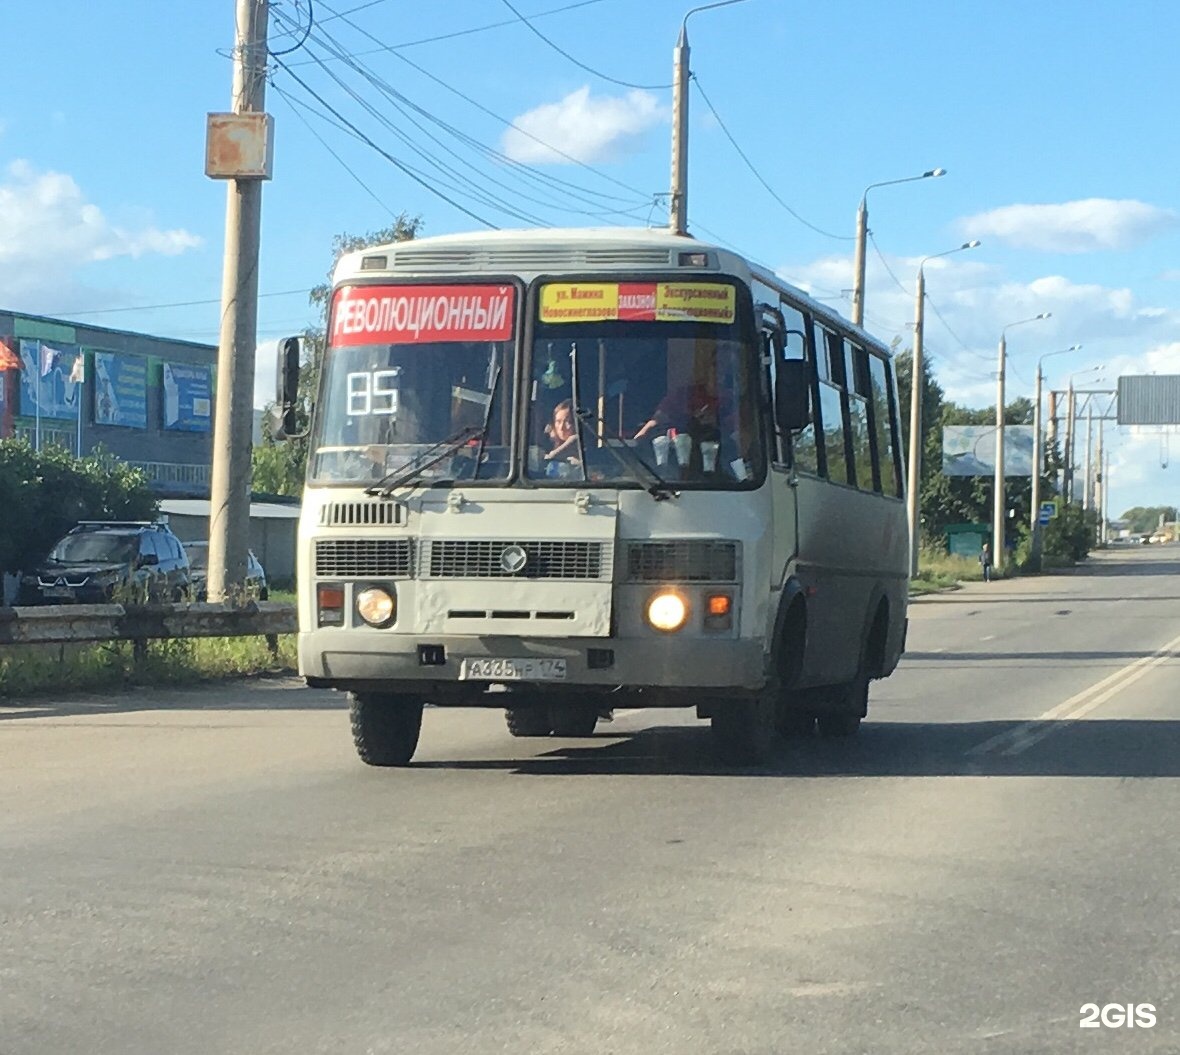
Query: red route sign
[422, 314]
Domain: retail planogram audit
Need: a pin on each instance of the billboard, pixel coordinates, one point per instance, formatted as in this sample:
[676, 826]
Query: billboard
[188, 397]
[120, 390]
[48, 388]
[970, 450]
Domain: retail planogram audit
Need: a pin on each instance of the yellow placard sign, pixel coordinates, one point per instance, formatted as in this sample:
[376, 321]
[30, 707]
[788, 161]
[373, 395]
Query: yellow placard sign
[638, 301]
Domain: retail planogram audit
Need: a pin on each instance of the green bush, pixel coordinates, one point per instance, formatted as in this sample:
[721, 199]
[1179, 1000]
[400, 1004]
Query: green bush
[44, 493]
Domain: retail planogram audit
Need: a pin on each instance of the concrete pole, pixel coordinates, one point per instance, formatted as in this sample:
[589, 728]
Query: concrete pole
[858, 271]
[999, 507]
[915, 466]
[1070, 406]
[1051, 438]
[1088, 482]
[678, 203]
[1100, 489]
[1037, 458]
[229, 517]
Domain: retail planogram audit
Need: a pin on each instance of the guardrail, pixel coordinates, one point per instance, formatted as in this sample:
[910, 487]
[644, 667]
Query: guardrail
[67, 623]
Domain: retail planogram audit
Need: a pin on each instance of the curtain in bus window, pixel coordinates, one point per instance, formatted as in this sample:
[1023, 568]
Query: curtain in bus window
[831, 411]
[890, 484]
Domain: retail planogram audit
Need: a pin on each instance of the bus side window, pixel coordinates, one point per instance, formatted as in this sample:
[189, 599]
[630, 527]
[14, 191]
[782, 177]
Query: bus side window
[831, 406]
[860, 430]
[885, 427]
[803, 451]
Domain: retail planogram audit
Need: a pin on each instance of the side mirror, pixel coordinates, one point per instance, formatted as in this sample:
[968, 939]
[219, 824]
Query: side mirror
[792, 394]
[283, 422]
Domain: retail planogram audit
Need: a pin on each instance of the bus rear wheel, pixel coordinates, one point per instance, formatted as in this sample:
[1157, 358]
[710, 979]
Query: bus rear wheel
[529, 719]
[744, 730]
[385, 728]
[573, 719]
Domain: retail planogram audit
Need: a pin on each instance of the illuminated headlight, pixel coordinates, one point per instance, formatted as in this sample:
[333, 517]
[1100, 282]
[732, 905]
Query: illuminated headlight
[667, 612]
[376, 606]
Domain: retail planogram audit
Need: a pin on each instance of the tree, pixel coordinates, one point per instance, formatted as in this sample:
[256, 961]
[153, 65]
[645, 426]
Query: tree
[45, 493]
[1142, 520]
[280, 467]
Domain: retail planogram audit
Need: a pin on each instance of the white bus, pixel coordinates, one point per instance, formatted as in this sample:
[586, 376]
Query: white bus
[563, 471]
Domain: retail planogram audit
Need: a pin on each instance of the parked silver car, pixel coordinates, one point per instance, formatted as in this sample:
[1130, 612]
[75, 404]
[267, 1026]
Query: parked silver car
[198, 556]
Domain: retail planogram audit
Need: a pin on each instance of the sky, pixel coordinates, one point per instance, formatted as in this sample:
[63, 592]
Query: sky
[1055, 122]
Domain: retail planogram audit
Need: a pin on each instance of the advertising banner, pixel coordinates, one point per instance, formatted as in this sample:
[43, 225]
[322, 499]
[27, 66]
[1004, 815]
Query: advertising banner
[46, 390]
[120, 390]
[970, 450]
[422, 314]
[638, 301]
[188, 397]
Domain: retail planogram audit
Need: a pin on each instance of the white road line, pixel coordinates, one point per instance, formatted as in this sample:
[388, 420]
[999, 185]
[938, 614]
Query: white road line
[1023, 736]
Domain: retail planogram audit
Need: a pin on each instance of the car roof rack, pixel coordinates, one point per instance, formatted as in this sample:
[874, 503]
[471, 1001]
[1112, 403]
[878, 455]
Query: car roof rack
[118, 523]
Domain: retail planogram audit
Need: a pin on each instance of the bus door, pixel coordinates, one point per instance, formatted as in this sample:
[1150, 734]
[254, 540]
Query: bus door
[774, 346]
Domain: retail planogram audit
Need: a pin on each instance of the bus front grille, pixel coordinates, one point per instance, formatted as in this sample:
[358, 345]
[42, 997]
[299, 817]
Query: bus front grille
[510, 559]
[364, 558]
[683, 560]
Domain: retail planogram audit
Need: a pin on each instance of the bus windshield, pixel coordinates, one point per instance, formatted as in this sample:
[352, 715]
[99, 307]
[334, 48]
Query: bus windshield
[681, 394]
[408, 369]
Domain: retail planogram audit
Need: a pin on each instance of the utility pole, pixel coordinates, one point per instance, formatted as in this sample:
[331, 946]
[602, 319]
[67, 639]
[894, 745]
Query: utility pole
[678, 202]
[915, 452]
[1070, 451]
[1088, 482]
[244, 168]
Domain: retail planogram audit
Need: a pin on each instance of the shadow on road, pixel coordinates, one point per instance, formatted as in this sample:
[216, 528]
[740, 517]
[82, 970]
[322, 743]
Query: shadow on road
[1089, 748]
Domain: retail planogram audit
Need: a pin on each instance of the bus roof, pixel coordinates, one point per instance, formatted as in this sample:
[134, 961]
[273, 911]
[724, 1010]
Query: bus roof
[529, 252]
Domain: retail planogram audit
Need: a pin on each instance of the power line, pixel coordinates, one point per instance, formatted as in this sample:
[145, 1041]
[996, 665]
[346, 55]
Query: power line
[303, 39]
[404, 104]
[581, 65]
[642, 195]
[177, 304]
[757, 174]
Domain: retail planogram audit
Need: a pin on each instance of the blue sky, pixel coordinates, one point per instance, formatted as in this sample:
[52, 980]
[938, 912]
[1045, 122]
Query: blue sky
[1055, 122]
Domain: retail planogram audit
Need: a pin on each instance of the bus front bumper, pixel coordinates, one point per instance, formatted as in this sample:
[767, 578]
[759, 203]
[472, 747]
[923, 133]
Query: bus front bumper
[355, 660]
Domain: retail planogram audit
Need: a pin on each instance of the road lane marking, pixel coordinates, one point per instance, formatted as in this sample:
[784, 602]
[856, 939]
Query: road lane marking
[1014, 741]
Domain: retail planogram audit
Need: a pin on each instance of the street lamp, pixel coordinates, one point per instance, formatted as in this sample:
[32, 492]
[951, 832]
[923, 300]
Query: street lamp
[862, 229]
[1035, 513]
[998, 497]
[1067, 481]
[678, 199]
[916, 386]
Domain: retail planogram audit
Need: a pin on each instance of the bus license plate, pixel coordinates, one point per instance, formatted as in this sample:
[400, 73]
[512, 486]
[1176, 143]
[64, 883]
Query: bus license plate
[512, 670]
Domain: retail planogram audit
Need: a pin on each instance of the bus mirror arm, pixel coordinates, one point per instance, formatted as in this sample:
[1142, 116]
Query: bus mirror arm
[283, 419]
[792, 383]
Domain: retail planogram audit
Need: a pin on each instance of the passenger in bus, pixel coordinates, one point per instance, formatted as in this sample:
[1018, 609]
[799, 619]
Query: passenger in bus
[692, 408]
[562, 435]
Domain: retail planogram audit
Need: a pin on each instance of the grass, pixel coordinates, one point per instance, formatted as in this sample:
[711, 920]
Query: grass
[938, 570]
[36, 670]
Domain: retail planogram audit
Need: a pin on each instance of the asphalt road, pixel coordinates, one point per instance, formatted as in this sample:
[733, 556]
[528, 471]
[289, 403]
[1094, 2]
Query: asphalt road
[214, 871]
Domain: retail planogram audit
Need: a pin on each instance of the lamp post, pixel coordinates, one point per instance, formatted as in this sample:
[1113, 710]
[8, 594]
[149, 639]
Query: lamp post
[1038, 457]
[678, 199]
[998, 497]
[862, 230]
[916, 387]
[1070, 411]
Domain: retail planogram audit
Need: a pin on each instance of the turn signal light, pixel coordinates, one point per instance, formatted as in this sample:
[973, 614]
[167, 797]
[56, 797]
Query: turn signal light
[330, 604]
[718, 611]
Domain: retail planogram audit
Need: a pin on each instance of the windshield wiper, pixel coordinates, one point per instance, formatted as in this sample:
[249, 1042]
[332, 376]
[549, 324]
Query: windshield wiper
[634, 466]
[411, 472]
[659, 489]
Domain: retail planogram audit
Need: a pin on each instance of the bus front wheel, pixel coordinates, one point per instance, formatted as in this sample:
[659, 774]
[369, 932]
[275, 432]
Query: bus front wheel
[385, 728]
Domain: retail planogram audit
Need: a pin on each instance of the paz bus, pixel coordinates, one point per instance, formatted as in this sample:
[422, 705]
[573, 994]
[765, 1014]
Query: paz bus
[559, 472]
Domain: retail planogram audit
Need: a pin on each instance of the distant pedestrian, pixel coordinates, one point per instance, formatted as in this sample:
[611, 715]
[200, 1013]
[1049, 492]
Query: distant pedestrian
[985, 562]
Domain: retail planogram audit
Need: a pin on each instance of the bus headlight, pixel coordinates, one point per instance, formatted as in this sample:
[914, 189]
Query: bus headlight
[376, 605]
[667, 611]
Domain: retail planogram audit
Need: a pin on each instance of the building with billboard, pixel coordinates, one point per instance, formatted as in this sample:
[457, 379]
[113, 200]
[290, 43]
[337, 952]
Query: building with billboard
[146, 400]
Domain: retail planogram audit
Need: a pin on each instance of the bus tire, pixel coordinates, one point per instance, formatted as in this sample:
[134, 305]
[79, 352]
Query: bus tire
[794, 725]
[573, 719]
[838, 726]
[385, 728]
[530, 719]
[744, 730]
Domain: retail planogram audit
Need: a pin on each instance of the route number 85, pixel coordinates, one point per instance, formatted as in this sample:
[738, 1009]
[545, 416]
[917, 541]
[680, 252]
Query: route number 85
[373, 392]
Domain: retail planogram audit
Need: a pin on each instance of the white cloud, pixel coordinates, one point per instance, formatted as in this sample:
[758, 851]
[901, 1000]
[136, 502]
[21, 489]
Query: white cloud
[51, 231]
[1086, 226]
[581, 127]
